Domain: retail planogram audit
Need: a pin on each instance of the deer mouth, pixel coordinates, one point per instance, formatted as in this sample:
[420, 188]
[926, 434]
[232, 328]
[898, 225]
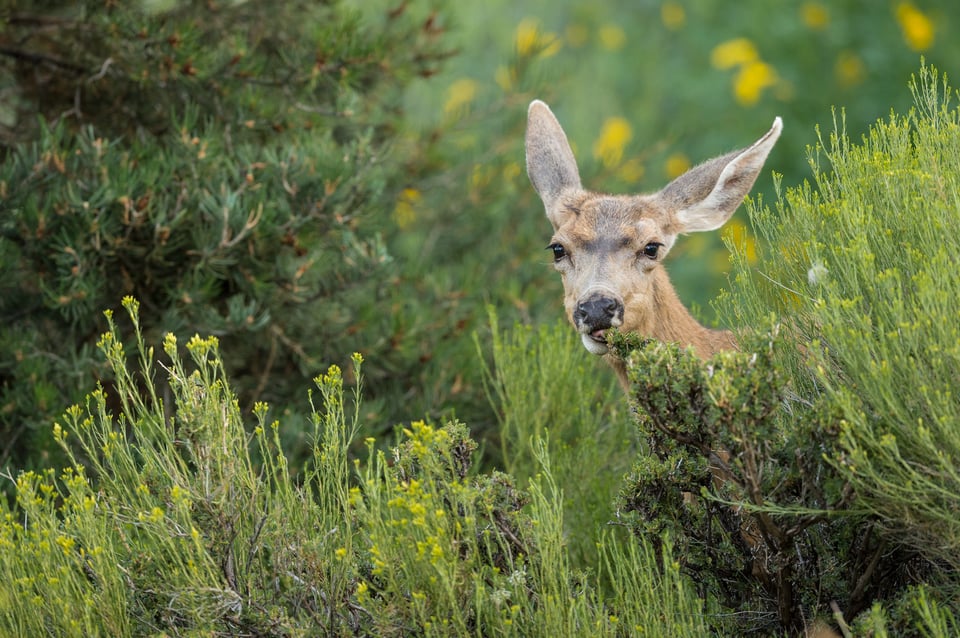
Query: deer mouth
[595, 341]
[600, 336]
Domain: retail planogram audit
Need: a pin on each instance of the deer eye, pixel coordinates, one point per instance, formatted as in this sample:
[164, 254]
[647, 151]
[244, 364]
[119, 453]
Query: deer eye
[651, 250]
[559, 252]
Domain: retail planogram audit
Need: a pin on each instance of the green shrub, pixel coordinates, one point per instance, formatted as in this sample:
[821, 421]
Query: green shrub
[866, 275]
[231, 165]
[814, 471]
[545, 388]
[162, 523]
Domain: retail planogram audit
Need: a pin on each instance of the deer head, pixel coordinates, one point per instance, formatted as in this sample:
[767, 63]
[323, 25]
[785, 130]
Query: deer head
[609, 249]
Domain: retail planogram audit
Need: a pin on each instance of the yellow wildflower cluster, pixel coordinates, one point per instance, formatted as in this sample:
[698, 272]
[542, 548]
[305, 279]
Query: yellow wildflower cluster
[612, 37]
[849, 69]
[376, 557]
[180, 497]
[155, 515]
[200, 347]
[615, 134]
[109, 345]
[739, 235]
[332, 378]
[430, 548]
[673, 15]
[531, 40]
[405, 210]
[917, 27]
[753, 74]
[677, 164]
[170, 344]
[460, 95]
[132, 305]
[424, 437]
[815, 15]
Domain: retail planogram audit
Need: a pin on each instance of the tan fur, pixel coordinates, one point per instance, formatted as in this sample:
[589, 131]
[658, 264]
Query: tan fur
[609, 277]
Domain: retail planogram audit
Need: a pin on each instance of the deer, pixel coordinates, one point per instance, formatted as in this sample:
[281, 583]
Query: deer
[609, 249]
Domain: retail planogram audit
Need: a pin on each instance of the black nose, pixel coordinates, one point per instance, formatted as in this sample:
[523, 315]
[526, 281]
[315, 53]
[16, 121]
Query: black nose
[597, 312]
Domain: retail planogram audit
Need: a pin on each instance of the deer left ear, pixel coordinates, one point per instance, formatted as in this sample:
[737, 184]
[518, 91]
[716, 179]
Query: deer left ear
[707, 195]
[550, 163]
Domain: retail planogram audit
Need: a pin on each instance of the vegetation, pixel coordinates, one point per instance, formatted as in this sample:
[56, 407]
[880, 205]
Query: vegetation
[825, 452]
[237, 186]
[164, 525]
[306, 180]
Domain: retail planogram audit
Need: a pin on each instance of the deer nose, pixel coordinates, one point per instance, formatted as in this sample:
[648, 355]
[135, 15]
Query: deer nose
[597, 312]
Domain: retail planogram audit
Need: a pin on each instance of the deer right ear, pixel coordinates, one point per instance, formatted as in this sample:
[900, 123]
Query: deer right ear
[707, 195]
[550, 163]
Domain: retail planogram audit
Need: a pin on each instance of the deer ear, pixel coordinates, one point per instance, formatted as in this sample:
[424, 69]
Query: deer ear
[707, 195]
[550, 163]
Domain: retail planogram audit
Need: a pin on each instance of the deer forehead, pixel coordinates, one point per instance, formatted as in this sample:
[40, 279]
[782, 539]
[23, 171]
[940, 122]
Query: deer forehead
[607, 223]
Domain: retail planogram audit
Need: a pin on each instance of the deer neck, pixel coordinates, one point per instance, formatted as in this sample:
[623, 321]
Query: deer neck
[672, 322]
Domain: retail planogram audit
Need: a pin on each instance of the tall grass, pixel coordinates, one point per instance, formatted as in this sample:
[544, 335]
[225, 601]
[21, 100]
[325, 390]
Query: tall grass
[863, 262]
[553, 398]
[164, 524]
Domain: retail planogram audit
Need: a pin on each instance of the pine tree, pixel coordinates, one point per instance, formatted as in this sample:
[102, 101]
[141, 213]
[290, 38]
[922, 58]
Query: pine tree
[227, 164]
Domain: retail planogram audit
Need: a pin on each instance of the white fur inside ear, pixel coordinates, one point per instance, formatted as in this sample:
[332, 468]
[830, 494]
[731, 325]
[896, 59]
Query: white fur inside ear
[733, 184]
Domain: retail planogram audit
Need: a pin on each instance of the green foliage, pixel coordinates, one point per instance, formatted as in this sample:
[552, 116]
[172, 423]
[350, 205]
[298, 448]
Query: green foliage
[745, 498]
[162, 520]
[865, 271]
[815, 469]
[228, 165]
[162, 523]
[547, 389]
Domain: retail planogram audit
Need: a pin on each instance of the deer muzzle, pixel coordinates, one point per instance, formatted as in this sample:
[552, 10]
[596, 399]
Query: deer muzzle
[593, 316]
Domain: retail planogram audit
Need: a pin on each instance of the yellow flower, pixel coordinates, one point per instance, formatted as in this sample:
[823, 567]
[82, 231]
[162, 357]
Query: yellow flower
[405, 212]
[530, 40]
[731, 53]
[672, 15]
[526, 36]
[155, 515]
[632, 171]
[131, 304]
[738, 233]
[512, 171]
[677, 164]
[200, 347]
[750, 82]
[66, 544]
[814, 15]
[615, 133]
[612, 37]
[917, 27]
[460, 94]
[849, 69]
[505, 77]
